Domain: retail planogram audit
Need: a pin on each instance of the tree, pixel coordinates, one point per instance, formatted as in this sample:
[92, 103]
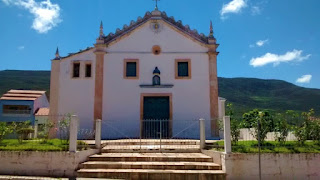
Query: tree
[308, 129]
[234, 124]
[250, 120]
[64, 128]
[281, 128]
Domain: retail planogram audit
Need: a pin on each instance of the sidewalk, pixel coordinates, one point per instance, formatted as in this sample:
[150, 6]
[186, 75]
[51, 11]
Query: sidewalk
[42, 178]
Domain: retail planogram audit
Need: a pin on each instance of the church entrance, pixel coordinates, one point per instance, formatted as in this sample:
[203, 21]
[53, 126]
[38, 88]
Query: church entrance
[156, 123]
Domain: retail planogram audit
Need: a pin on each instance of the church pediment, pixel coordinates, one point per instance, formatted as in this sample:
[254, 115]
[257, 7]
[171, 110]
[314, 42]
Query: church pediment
[156, 16]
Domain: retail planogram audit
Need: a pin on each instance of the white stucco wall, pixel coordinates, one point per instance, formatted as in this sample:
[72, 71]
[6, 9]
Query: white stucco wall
[40, 102]
[121, 97]
[121, 100]
[76, 95]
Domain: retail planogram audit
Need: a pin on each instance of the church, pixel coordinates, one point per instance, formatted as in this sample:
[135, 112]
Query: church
[153, 76]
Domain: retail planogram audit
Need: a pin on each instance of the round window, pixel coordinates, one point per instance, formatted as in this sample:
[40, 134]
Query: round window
[156, 50]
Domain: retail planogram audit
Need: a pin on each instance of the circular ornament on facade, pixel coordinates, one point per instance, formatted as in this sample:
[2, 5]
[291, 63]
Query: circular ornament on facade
[155, 26]
[156, 50]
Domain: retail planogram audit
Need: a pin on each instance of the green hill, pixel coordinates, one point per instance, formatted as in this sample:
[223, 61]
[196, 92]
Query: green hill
[274, 95]
[245, 93]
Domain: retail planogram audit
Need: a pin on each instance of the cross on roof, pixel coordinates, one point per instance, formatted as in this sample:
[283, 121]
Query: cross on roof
[156, 4]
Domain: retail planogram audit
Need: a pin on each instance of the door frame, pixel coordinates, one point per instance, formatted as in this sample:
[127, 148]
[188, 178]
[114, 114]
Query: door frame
[142, 95]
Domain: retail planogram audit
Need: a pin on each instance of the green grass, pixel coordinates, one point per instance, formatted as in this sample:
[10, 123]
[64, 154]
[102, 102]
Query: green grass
[37, 145]
[271, 147]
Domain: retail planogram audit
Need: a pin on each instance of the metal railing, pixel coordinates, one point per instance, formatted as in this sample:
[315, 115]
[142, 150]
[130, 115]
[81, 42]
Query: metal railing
[151, 134]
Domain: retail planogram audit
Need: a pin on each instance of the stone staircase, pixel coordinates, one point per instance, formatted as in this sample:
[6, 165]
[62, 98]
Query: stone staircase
[128, 160]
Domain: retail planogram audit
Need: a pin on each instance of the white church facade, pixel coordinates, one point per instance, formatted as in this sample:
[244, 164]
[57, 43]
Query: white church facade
[156, 68]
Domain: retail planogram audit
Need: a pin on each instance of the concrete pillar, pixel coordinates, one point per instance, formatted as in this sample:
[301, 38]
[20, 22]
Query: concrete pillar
[213, 82]
[73, 133]
[222, 113]
[98, 134]
[202, 134]
[54, 94]
[227, 134]
[100, 52]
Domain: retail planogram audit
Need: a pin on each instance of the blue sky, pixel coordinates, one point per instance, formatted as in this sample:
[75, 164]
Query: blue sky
[269, 39]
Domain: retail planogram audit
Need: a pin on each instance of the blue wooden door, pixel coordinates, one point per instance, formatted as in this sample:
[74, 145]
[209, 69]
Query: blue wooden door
[156, 114]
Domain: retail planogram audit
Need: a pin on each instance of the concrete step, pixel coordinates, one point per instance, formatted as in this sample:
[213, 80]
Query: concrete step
[151, 165]
[151, 148]
[159, 157]
[152, 142]
[152, 174]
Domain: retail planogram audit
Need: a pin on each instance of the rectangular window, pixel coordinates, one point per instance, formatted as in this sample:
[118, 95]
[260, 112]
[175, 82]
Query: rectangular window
[131, 69]
[183, 69]
[88, 70]
[16, 109]
[76, 70]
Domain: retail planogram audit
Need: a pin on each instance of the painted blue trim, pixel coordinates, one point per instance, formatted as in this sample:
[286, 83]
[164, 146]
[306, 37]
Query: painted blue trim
[17, 117]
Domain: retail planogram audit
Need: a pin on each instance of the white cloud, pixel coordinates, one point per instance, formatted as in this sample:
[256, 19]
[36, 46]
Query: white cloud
[261, 42]
[21, 47]
[295, 55]
[304, 79]
[234, 6]
[255, 10]
[46, 14]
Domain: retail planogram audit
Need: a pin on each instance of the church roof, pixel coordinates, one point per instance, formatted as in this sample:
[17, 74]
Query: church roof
[202, 38]
[149, 15]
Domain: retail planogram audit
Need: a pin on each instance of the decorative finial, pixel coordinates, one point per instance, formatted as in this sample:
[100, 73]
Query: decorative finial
[101, 29]
[57, 53]
[156, 71]
[211, 30]
[156, 8]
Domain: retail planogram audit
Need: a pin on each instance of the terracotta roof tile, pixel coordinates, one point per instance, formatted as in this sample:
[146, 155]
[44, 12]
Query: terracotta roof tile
[43, 112]
[27, 95]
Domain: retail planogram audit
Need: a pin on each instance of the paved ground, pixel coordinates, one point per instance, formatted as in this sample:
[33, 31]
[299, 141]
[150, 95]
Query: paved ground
[42, 178]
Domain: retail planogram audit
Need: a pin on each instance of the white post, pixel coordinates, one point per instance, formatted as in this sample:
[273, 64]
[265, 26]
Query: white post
[223, 107]
[98, 134]
[73, 133]
[35, 129]
[227, 134]
[202, 133]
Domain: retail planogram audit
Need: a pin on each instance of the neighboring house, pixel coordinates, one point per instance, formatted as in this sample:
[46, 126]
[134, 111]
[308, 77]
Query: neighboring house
[41, 120]
[21, 105]
[154, 68]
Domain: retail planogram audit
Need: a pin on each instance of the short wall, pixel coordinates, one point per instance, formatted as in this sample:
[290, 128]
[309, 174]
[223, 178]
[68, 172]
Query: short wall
[34, 163]
[246, 134]
[216, 156]
[274, 166]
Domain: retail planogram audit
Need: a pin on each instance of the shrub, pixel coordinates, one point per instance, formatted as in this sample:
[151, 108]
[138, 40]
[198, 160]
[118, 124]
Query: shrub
[235, 131]
[23, 133]
[22, 129]
[315, 131]
[5, 129]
